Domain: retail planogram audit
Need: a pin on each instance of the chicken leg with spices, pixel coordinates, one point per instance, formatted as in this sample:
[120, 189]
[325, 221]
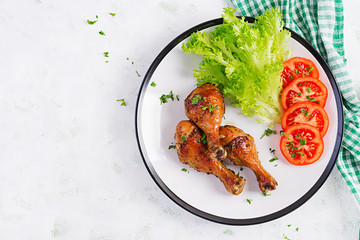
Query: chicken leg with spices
[241, 150]
[192, 150]
[205, 107]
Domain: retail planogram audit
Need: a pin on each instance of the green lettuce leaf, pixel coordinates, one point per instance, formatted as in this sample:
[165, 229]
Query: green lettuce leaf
[245, 61]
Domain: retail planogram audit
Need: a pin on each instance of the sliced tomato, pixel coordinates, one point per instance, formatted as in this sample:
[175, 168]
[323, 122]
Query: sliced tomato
[304, 90]
[297, 67]
[306, 113]
[301, 144]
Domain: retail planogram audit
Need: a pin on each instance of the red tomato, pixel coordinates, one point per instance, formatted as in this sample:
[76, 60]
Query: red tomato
[306, 113]
[304, 90]
[297, 67]
[301, 144]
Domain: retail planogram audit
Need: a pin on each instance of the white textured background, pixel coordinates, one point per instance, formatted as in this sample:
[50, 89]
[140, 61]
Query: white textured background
[69, 162]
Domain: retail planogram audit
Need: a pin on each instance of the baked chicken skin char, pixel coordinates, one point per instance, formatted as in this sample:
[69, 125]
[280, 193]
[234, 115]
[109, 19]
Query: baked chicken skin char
[205, 107]
[241, 150]
[193, 151]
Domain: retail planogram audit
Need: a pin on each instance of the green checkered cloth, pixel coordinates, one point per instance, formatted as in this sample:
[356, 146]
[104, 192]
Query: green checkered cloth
[321, 22]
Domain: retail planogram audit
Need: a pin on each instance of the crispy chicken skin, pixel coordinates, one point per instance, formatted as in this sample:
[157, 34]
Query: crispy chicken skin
[193, 151]
[241, 150]
[205, 107]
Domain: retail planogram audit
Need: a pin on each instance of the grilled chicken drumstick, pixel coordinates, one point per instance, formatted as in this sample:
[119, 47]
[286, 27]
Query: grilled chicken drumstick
[205, 107]
[241, 150]
[193, 151]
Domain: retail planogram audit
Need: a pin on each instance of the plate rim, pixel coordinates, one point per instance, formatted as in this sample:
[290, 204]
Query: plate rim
[235, 221]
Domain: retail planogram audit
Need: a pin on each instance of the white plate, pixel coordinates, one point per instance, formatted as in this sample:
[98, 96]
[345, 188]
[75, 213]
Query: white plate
[204, 195]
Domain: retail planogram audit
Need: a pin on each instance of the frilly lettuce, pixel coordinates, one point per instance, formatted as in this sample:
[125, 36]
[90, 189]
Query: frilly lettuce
[245, 61]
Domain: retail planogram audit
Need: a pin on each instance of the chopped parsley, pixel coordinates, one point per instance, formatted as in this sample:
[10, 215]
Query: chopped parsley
[177, 97]
[286, 237]
[282, 133]
[196, 99]
[91, 22]
[288, 145]
[306, 113]
[310, 98]
[268, 132]
[106, 54]
[204, 107]
[203, 139]
[172, 146]
[184, 139]
[153, 84]
[185, 170]
[164, 98]
[308, 90]
[123, 103]
[211, 107]
[102, 33]
[289, 225]
[138, 73]
[297, 229]
[112, 14]
[273, 153]
[249, 200]
[266, 194]
[302, 141]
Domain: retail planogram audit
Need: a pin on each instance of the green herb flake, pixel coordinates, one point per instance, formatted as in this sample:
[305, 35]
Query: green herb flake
[196, 99]
[273, 153]
[185, 170]
[289, 225]
[153, 84]
[306, 113]
[123, 103]
[265, 194]
[297, 229]
[310, 98]
[91, 22]
[172, 146]
[203, 139]
[268, 132]
[102, 33]
[138, 74]
[106, 54]
[249, 200]
[302, 141]
[282, 133]
[184, 139]
[112, 14]
[286, 237]
[204, 107]
[308, 90]
[293, 155]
